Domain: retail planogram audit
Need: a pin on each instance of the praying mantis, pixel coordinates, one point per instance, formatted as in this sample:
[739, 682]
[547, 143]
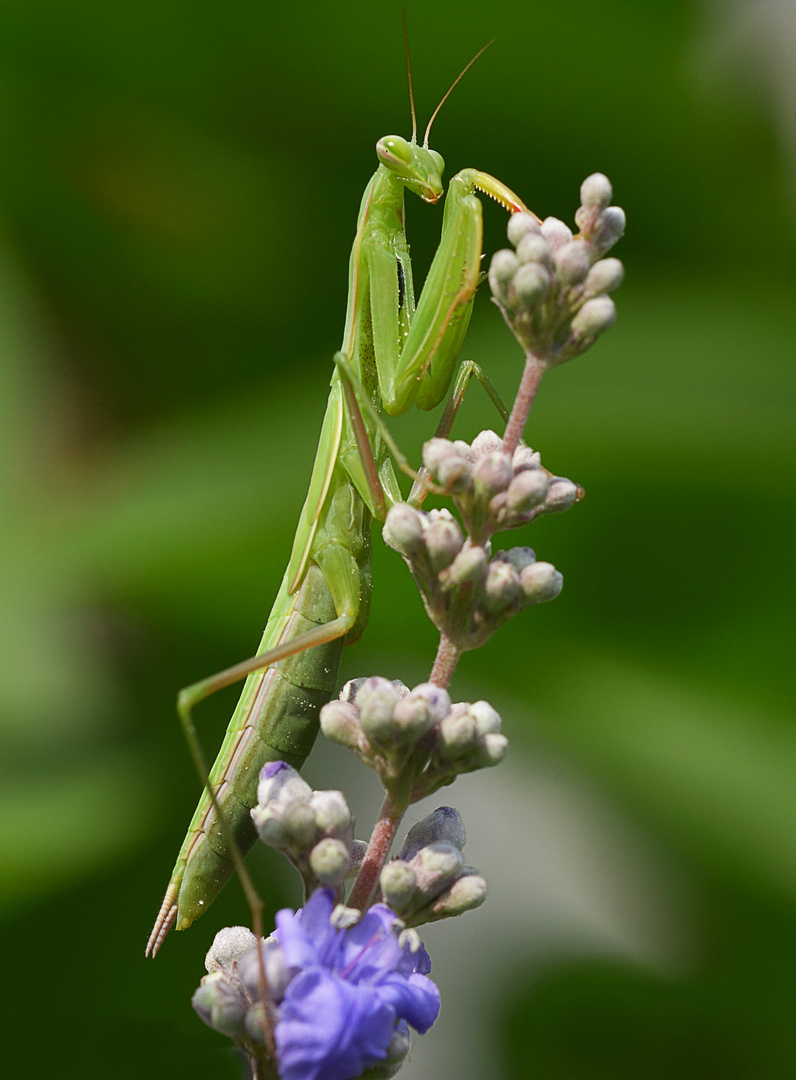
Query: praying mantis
[394, 354]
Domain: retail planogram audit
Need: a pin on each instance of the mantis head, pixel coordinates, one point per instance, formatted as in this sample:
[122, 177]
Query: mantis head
[417, 167]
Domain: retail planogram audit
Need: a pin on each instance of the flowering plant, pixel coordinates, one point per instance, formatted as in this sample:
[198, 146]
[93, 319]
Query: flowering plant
[332, 993]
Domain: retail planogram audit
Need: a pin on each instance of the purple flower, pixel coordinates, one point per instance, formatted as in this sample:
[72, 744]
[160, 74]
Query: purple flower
[349, 990]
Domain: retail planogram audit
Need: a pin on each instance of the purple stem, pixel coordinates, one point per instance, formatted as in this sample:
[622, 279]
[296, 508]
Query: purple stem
[529, 384]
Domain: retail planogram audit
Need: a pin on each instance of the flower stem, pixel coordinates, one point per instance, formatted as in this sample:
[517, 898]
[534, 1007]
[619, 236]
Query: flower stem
[375, 857]
[445, 662]
[520, 411]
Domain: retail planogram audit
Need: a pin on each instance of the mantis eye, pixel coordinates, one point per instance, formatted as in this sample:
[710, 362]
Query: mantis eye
[393, 150]
[438, 161]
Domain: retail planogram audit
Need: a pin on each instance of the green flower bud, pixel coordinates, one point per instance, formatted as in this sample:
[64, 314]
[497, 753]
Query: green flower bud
[596, 191]
[594, 318]
[527, 490]
[534, 249]
[298, 822]
[329, 861]
[467, 892]
[398, 883]
[256, 1020]
[540, 582]
[332, 816]
[521, 225]
[434, 866]
[228, 946]
[572, 262]
[605, 276]
[556, 233]
[502, 269]
[530, 286]
[403, 530]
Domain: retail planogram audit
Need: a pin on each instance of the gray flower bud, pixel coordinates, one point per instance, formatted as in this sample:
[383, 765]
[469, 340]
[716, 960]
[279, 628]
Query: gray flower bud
[256, 1021]
[469, 565]
[492, 749]
[610, 228]
[605, 276]
[518, 557]
[501, 587]
[228, 946]
[277, 973]
[540, 582]
[268, 823]
[280, 782]
[298, 823]
[487, 719]
[556, 233]
[596, 191]
[486, 442]
[403, 530]
[521, 225]
[435, 865]
[332, 815]
[527, 490]
[376, 699]
[467, 892]
[492, 473]
[445, 823]
[502, 269]
[340, 723]
[594, 318]
[561, 494]
[329, 861]
[533, 248]
[398, 883]
[530, 286]
[444, 541]
[458, 734]
[221, 1004]
[572, 262]
[525, 458]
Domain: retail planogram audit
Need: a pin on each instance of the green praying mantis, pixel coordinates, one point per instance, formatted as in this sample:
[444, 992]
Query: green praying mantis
[394, 354]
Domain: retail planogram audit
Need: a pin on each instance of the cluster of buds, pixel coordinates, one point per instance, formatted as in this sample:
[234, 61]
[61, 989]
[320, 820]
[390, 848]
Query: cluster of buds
[552, 289]
[468, 593]
[494, 490]
[415, 740]
[314, 829]
[428, 880]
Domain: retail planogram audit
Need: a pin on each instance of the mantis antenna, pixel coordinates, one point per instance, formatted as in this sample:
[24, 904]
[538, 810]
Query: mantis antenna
[409, 76]
[457, 80]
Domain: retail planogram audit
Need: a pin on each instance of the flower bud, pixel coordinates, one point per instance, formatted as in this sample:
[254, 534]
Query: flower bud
[403, 530]
[487, 719]
[376, 699]
[610, 227]
[467, 892]
[280, 782]
[486, 442]
[502, 269]
[525, 458]
[492, 749]
[397, 1050]
[596, 191]
[298, 823]
[220, 1003]
[398, 883]
[277, 972]
[332, 816]
[530, 286]
[435, 865]
[445, 823]
[533, 248]
[329, 861]
[572, 262]
[594, 318]
[521, 225]
[425, 706]
[268, 823]
[527, 490]
[605, 276]
[444, 541]
[556, 233]
[492, 473]
[561, 494]
[518, 557]
[501, 588]
[469, 565]
[256, 1021]
[540, 582]
[228, 946]
[340, 723]
[458, 734]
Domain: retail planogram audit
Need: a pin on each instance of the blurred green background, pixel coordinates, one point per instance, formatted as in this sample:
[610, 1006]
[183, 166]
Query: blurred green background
[179, 189]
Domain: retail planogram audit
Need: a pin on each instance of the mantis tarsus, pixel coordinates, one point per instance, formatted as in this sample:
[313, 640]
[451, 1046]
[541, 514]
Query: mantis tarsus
[399, 355]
